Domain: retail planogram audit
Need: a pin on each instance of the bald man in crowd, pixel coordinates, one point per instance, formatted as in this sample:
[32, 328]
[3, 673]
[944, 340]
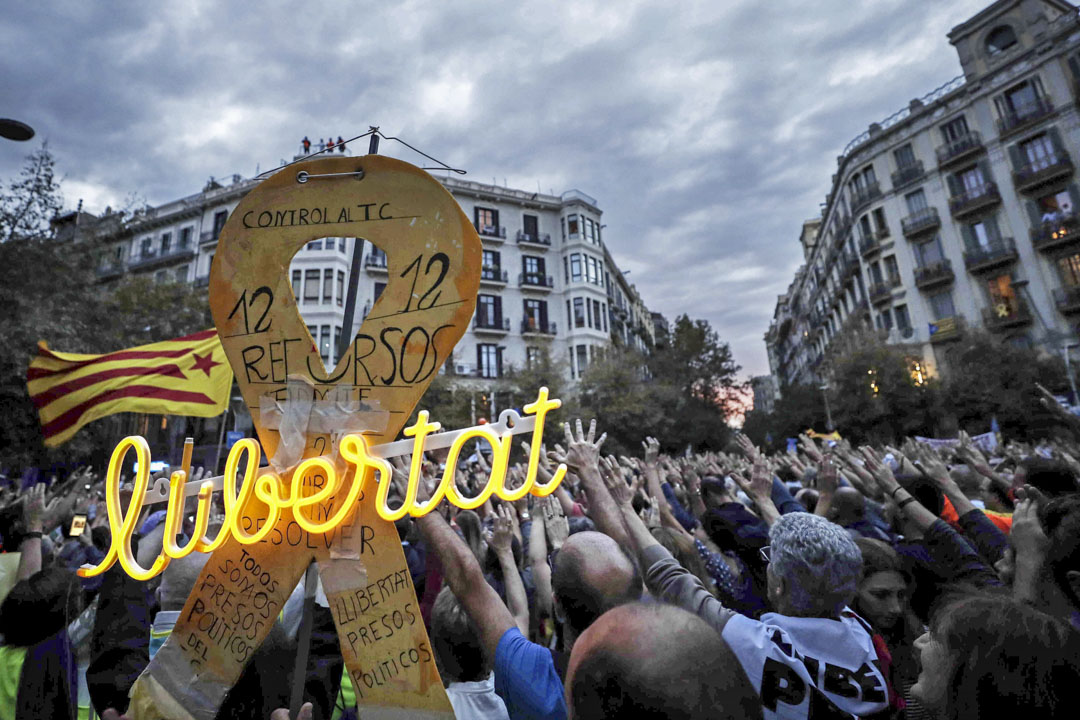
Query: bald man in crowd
[656, 661]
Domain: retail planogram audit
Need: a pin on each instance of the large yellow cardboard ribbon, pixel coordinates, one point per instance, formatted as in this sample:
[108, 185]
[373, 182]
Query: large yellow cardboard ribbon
[434, 257]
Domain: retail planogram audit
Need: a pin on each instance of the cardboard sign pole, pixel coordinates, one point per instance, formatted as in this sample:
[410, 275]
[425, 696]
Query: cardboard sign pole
[433, 268]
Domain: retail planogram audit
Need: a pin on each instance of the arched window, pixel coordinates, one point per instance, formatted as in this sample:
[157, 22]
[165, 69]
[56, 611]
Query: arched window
[999, 40]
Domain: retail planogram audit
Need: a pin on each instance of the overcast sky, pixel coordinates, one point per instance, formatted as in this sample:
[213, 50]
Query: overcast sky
[708, 131]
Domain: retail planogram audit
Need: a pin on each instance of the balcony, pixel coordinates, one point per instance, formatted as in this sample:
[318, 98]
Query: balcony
[929, 276]
[201, 281]
[907, 174]
[920, 221]
[1050, 236]
[849, 265]
[493, 232]
[946, 329]
[535, 281]
[493, 276]
[990, 257]
[208, 237]
[1045, 170]
[542, 240]
[1067, 299]
[863, 196]
[153, 258]
[1025, 116]
[871, 244]
[880, 292]
[375, 264]
[1006, 314]
[529, 326]
[959, 149]
[491, 326]
[109, 270]
[974, 199]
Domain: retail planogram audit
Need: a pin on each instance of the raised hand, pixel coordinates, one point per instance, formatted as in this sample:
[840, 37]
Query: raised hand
[826, 477]
[501, 536]
[810, 448]
[747, 447]
[34, 508]
[878, 470]
[652, 450]
[582, 452]
[556, 526]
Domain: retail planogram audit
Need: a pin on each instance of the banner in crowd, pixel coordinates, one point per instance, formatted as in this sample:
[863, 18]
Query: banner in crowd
[185, 376]
[299, 408]
[986, 442]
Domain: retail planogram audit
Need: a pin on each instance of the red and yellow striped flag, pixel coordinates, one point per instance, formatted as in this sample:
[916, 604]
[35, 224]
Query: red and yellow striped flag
[185, 376]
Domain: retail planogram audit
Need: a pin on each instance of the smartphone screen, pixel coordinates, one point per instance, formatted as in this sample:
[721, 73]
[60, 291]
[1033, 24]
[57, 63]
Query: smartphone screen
[78, 525]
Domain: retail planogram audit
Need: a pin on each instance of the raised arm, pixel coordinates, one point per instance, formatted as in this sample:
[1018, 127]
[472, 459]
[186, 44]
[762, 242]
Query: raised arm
[501, 541]
[582, 456]
[538, 552]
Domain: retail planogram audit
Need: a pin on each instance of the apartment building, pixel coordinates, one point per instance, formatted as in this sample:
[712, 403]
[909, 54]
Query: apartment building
[958, 211]
[548, 279]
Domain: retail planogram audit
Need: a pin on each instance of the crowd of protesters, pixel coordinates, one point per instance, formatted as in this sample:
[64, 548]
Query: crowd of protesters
[833, 581]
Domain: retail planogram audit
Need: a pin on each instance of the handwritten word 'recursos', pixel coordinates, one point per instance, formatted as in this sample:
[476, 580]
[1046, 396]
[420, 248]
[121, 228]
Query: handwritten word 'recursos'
[278, 493]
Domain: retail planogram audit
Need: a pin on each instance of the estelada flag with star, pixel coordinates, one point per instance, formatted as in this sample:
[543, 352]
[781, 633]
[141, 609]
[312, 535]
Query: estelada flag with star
[185, 376]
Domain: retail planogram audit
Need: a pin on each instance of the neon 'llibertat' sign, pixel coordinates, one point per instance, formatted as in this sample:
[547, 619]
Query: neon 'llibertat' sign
[270, 488]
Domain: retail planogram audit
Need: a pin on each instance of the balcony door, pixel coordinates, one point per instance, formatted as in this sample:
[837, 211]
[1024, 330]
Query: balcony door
[954, 130]
[529, 223]
[489, 310]
[1002, 295]
[536, 314]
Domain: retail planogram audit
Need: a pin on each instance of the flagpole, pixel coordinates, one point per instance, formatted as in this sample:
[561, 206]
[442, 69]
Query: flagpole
[221, 439]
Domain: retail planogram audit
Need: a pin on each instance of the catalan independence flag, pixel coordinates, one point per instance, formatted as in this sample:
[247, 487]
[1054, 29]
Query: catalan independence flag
[185, 376]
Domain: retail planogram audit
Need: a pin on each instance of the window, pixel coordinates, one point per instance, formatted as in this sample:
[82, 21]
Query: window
[971, 179]
[904, 156]
[875, 273]
[340, 287]
[1038, 153]
[955, 129]
[941, 305]
[328, 286]
[488, 311]
[530, 224]
[145, 247]
[916, 202]
[596, 322]
[219, 222]
[536, 316]
[379, 287]
[489, 360]
[1021, 99]
[903, 319]
[315, 245]
[999, 40]
[1054, 206]
[532, 356]
[491, 260]
[573, 224]
[181, 273]
[880, 225]
[337, 339]
[311, 286]
[166, 242]
[864, 227]
[185, 237]
[892, 270]
[928, 253]
[533, 266]
[579, 312]
[981, 235]
[341, 244]
[324, 342]
[1069, 268]
[590, 231]
[603, 315]
[575, 267]
[582, 359]
[161, 276]
[885, 320]
[487, 221]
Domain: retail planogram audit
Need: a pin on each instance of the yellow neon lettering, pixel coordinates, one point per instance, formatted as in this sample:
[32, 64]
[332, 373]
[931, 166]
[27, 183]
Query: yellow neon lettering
[500, 457]
[174, 516]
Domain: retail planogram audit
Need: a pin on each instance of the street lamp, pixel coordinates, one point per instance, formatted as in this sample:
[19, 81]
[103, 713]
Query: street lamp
[828, 414]
[15, 130]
